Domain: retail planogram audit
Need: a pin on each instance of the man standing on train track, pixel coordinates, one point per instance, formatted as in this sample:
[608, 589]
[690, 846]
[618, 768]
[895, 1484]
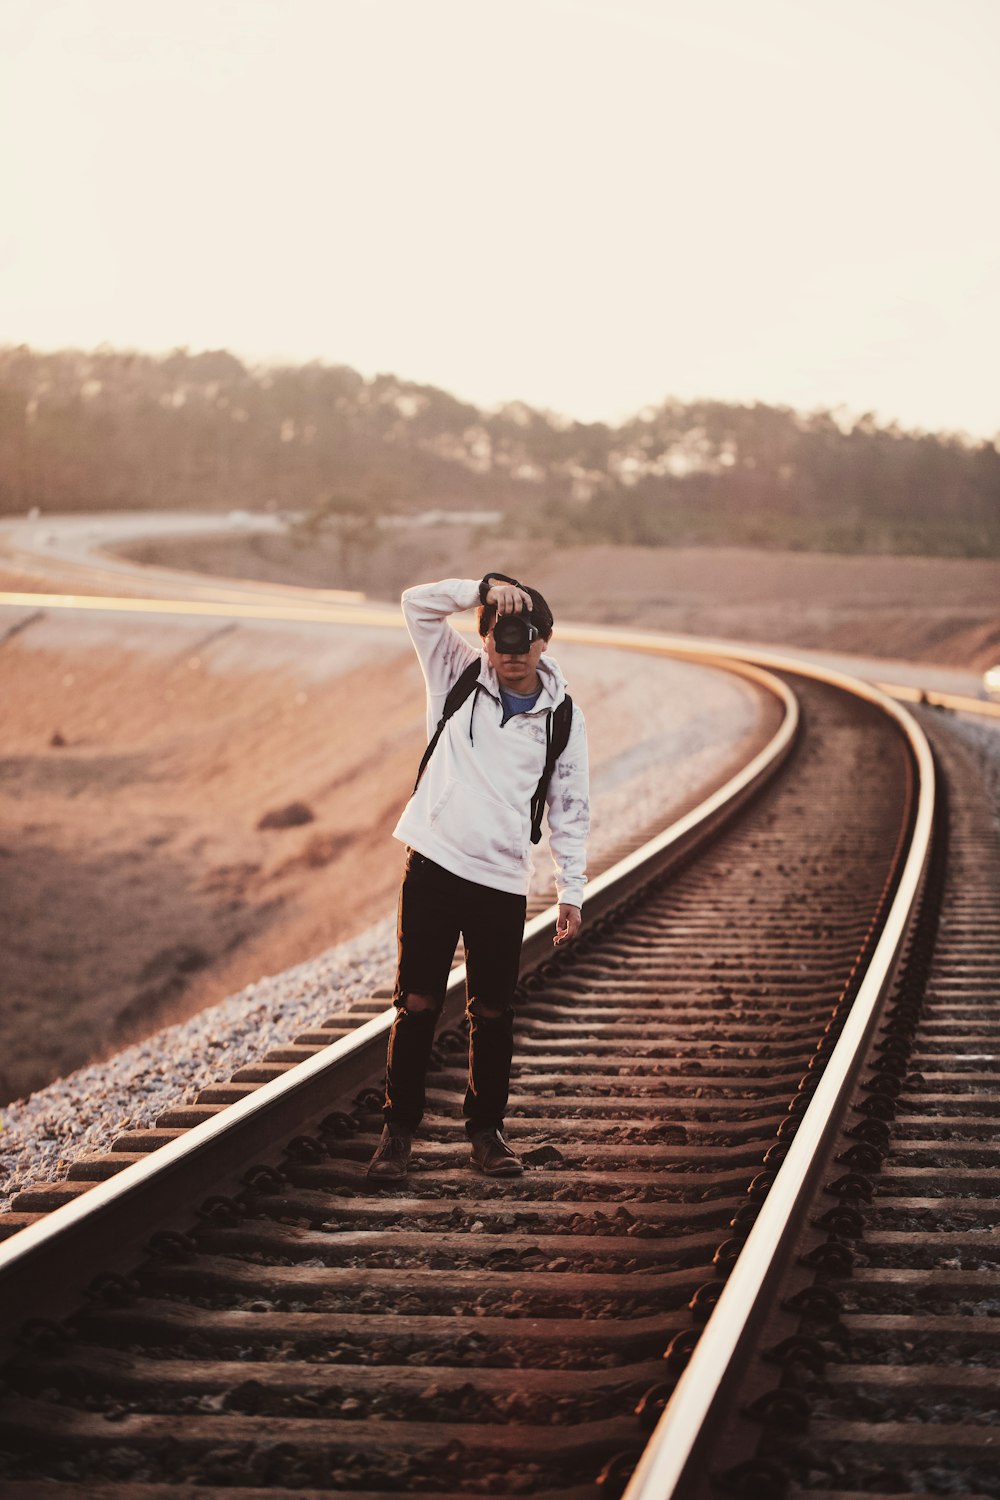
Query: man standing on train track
[506, 743]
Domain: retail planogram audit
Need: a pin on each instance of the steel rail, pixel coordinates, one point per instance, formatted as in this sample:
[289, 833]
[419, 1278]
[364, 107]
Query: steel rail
[671, 1462]
[104, 1226]
[958, 703]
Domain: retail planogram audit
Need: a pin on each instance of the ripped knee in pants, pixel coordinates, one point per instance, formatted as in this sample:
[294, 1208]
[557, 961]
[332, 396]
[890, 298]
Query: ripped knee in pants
[417, 1005]
[479, 1010]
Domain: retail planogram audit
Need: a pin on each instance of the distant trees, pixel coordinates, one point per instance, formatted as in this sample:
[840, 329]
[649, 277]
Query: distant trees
[355, 522]
[110, 429]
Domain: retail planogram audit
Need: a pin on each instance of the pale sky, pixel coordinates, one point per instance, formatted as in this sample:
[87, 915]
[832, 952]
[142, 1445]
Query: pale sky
[589, 205]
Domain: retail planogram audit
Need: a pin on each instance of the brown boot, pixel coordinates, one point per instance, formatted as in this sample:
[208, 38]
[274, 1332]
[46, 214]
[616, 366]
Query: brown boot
[392, 1154]
[492, 1155]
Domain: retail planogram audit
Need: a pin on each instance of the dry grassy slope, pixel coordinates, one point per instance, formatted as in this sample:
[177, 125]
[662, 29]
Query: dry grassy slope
[134, 881]
[917, 608]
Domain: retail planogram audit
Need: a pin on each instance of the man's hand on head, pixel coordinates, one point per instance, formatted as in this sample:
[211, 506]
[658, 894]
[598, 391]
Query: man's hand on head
[508, 598]
[567, 924]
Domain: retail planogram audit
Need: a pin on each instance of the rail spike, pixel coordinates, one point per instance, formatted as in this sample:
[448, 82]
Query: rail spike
[263, 1179]
[617, 1472]
[171, 1244]
[222, 1209]
[781, 1407]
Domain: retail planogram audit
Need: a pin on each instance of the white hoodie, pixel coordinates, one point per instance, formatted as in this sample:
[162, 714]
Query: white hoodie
[471, 812]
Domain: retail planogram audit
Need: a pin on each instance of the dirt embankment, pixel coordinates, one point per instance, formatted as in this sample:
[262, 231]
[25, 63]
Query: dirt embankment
[138, 882]
[937, 610]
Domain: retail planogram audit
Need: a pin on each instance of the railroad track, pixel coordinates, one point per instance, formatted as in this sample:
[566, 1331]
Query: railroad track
[268, 1322]
[872, 1365]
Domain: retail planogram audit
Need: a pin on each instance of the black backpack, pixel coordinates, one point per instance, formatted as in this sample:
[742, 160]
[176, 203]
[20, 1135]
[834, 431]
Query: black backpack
[557, 730]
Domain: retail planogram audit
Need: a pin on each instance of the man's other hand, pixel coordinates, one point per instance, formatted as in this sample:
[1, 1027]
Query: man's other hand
[567, 925]
[508, 598]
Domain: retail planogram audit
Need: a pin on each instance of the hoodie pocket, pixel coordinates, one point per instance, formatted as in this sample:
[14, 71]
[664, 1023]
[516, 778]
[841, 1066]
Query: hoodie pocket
[479, 826]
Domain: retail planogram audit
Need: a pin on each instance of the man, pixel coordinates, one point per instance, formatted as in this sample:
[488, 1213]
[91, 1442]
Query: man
[467, 828]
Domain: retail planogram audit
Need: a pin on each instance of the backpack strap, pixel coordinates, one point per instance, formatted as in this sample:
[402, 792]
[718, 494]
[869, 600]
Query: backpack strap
[557, 728]
[457, 694]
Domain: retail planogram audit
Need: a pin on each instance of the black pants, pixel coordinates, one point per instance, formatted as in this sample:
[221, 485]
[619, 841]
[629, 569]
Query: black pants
[435, 907]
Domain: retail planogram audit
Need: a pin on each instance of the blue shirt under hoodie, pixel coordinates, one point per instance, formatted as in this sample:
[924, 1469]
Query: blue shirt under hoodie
[518, 703]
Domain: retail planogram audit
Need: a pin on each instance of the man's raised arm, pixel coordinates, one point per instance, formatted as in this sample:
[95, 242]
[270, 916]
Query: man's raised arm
[443, 653]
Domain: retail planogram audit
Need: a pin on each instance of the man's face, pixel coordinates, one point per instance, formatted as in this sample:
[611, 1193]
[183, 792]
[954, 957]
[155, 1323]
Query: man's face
[518, 674]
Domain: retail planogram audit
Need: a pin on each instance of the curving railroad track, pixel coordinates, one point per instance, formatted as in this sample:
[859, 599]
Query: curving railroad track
[238, 1310]
[871, 1365]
